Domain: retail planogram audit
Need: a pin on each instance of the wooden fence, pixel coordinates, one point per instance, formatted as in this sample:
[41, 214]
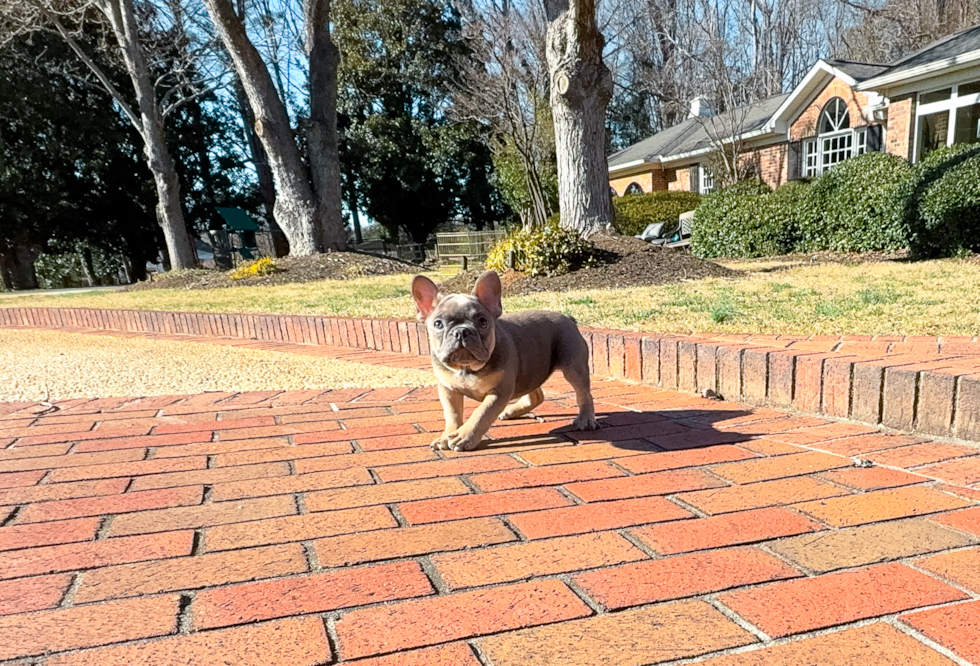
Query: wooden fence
[465, 249]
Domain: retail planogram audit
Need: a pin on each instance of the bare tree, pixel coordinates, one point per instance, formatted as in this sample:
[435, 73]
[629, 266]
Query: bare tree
[156, 96]
[731, 79]
[308, 197]
[503, 84]
[884, 32]
[581, 86]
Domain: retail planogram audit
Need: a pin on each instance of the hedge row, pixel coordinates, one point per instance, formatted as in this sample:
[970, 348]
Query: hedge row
[872, 202]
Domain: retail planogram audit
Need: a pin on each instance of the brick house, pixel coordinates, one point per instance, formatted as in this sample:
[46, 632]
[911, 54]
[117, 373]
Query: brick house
[838, 110]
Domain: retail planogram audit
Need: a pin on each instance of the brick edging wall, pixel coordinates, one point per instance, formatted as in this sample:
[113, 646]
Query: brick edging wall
[926, 385]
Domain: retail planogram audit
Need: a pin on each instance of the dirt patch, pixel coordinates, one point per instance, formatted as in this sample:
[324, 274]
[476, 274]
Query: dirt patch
[623, 262]
[329, 266]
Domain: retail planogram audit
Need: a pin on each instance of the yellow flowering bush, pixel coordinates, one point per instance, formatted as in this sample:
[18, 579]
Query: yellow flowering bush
[263, 266]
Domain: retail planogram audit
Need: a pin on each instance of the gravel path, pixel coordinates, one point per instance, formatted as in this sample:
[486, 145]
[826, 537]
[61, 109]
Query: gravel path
[38, 365]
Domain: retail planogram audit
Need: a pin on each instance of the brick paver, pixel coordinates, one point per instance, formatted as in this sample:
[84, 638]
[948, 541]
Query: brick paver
[795, 606]
[955, 627]
[317, 527]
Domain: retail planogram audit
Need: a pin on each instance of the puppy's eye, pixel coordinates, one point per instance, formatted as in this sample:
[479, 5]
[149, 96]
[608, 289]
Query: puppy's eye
[482, 322]
[437, 324]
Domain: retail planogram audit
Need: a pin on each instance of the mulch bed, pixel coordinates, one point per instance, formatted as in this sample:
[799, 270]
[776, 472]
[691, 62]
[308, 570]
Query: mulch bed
[624, 262]
[329, 266]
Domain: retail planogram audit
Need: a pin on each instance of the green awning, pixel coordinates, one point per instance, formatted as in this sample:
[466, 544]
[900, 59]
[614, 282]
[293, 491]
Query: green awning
[238, 220]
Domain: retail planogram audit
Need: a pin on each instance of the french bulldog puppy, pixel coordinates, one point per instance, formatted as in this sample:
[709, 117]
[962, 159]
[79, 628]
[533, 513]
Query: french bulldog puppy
[494, 359]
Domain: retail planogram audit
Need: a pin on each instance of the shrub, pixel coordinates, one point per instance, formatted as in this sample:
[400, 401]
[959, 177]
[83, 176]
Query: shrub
[940, 203]
[635, 211]
[852, 208]
[728, 223]
[263, 266]
[782, 214]
[550, 250]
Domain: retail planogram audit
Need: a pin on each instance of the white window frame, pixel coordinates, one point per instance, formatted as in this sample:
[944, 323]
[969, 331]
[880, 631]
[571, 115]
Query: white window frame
[815, 157]
[823, 139]
[860, 143]
[951, 105]
[811, 149]
[707, 176]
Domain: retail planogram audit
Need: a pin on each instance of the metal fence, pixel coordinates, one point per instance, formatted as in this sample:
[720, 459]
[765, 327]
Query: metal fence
[466, 248]
[416, 253]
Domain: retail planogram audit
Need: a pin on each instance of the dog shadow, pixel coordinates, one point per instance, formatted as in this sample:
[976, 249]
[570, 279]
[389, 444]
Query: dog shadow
[647, 431]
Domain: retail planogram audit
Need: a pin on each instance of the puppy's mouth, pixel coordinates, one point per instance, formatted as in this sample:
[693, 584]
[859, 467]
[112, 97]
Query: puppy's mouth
[463, 358]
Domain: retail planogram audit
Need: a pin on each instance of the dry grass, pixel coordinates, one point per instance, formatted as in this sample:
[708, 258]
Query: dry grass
[925, 298]
[38, 365]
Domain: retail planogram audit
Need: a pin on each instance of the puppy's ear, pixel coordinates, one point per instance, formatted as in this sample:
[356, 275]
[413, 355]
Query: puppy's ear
[487, 291]
[426, 295]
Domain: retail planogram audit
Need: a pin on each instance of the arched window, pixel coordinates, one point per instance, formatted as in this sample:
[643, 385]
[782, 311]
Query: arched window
[834, 117]
[835, 141]
[634, 188]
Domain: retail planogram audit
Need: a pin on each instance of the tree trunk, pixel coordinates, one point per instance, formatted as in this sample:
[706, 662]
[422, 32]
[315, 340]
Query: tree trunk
[170, 215]
[321, 128]
[267, 186]
[581, 86]
[17, 266]
[296, 208]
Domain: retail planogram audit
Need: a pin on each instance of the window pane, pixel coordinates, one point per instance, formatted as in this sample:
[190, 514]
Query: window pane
[834, 116]
[969, 88]
[708, 179]
[835, 150]
[810, 156]
[932, 132]
[937, 96]
[967, 125]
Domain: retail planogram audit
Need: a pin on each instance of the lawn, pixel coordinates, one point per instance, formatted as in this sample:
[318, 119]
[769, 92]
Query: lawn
[925, 298]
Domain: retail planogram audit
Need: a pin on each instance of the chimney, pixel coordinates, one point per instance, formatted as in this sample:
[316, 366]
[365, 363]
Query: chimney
[700, 108]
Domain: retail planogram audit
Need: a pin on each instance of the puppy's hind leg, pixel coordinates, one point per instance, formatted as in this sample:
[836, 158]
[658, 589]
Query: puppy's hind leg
[524, 405]
[577, 374]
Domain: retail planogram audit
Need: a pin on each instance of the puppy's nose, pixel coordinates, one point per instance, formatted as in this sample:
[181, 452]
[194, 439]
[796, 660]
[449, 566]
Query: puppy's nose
[459, 333]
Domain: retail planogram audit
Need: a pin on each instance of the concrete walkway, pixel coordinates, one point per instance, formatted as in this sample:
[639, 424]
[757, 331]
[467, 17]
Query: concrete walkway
[313, 527]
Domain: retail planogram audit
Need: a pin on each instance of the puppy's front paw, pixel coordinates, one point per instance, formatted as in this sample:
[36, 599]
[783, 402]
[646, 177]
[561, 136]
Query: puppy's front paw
[442, 443]
[463, 441]
[585, 423]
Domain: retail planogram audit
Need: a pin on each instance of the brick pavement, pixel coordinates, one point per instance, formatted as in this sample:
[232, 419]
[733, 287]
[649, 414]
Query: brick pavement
[317, 527]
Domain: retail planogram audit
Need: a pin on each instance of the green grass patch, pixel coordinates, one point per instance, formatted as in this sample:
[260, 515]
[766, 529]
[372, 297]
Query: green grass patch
[864, 299]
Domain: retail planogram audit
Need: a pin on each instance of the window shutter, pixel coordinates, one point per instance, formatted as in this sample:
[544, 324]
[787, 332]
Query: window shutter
[875, 144]
[695, 178]
[795, 157]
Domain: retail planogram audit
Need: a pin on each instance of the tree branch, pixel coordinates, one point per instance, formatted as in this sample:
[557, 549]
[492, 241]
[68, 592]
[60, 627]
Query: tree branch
[97, 71]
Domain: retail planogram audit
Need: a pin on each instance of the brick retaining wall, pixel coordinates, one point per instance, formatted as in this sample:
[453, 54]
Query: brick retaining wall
[914, 384]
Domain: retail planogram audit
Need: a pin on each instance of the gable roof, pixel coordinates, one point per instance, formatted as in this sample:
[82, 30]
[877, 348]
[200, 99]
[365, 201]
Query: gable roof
[749, 119]
[694, 135]
[955, 51]
[652, 148]
[859, 71]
